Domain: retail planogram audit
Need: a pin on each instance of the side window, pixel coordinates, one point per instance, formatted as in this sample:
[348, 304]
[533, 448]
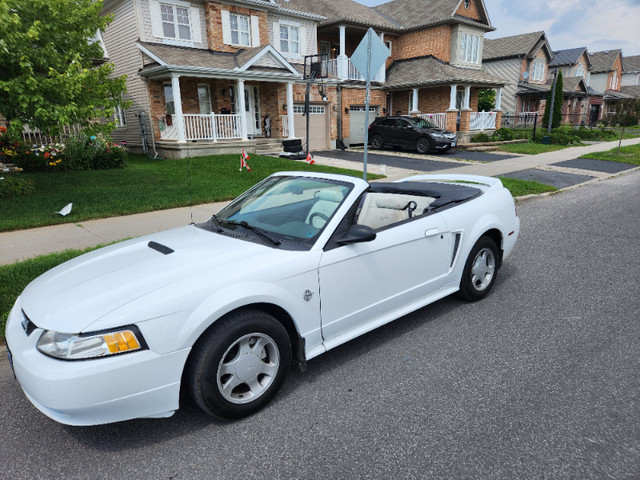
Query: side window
[239, 26]
[289, 39]
[175, 22]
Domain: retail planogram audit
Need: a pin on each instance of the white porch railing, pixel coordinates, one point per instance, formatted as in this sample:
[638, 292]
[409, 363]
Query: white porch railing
[438, 119]
[285, 125]
[482, 121]
[204, 127]
[352, 72]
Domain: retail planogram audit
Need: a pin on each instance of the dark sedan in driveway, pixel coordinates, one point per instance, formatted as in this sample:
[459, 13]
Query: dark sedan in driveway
[410, 132]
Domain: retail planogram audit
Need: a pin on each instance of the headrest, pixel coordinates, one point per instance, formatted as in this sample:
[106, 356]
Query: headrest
[390, 201]
[330, 195]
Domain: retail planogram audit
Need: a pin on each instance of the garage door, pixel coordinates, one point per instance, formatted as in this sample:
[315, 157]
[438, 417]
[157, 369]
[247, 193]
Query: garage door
[356, 122]
[318, 126]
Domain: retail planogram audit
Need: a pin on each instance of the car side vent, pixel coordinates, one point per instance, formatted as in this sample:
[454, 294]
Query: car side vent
[456, 245]
[160, 248]
[27, 324]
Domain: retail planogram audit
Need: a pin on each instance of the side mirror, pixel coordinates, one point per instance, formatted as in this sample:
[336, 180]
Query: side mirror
[357, 234]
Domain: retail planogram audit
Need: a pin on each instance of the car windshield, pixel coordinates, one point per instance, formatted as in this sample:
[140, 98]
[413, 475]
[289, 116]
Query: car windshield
[422, 123]
[286, 208]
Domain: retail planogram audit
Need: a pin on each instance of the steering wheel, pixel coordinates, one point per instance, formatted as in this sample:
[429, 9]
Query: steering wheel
[321, 216]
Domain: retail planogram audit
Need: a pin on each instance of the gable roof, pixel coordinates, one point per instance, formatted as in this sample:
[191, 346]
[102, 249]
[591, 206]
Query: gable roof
[423, 71]
[265, 62]
[414, 14]
[569, 57]
[631, 64]
[340, 11]
[603, 61]
[524, 45]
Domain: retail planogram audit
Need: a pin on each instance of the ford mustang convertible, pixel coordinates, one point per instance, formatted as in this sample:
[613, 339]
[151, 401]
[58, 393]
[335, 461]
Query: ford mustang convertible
[297, 265]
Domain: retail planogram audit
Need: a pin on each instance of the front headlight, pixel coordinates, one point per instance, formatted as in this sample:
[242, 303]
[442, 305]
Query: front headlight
[69, 346]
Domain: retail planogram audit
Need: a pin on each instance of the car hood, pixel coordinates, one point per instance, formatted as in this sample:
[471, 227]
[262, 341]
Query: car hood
[71, 296]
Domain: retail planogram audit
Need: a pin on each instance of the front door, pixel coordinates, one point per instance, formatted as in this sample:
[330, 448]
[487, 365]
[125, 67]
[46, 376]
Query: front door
[252, 107]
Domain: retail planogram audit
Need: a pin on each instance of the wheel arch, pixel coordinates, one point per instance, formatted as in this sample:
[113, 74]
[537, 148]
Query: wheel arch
[495, 235]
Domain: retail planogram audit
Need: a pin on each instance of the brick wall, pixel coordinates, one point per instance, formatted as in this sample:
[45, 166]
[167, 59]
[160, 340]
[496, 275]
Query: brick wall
[214, 25]
[471, 12]
[433, 41]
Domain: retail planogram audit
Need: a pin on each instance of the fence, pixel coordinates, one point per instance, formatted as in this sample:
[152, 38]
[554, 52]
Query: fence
[438, 119]
[482, 121]
[203, 127]
[36, 137]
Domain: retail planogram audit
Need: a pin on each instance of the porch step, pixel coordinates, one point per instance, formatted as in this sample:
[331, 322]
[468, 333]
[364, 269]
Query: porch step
[266, 146]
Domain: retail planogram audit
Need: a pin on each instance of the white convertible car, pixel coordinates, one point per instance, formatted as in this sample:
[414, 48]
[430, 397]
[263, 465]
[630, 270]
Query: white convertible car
[295, 266]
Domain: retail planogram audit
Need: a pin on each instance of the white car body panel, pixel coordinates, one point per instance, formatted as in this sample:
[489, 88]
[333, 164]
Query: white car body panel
[331, 295]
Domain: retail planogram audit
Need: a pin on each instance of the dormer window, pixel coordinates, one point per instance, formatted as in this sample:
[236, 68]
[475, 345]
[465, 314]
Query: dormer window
[466, 3]
[175, 22]
[580, 70]
[537, 70]
[469, 47]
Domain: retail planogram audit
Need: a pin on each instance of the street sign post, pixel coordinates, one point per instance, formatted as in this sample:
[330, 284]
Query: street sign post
[368, 59]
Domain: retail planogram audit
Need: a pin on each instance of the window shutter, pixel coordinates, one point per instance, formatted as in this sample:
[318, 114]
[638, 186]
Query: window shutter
[276, 36]
[255, 31]
[226, 27]
[303, 41]
[196, 30]
[156, 19]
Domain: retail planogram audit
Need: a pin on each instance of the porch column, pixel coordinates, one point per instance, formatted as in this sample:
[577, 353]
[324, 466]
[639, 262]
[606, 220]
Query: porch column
[381, 77]
[498, 99]
[243, 110]
[177, 102]
[414, 102]
[290, 121]
[452, 112]
[343, 60]
[452, 97]
[467, 98]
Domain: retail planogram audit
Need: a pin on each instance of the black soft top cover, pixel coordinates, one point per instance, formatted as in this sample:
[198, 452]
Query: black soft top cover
[444, 193]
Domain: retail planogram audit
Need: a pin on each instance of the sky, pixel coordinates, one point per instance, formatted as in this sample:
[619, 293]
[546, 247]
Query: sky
[596, 24]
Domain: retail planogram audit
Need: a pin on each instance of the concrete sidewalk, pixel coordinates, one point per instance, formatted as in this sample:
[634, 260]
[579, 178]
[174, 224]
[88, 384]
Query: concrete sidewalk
[23, 244]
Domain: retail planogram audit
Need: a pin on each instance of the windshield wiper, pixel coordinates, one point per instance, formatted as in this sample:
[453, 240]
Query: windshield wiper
[216, 223]
[257, 230]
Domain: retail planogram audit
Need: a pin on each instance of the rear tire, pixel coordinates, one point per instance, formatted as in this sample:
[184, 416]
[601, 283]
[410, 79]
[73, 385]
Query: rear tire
[239, 365]
[377, 142]
[480, 270]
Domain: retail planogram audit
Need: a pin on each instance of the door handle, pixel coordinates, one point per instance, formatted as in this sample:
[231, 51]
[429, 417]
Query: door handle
[431, 232]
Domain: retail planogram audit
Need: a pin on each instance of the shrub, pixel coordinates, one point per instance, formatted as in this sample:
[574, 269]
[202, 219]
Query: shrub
[480, 138]
[14, 186]
[503, 134]
[563, 138]
[83, 152]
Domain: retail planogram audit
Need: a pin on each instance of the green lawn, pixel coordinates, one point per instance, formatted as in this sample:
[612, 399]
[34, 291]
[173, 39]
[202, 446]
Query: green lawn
[628, 154]
[143, 185]
[531, 148]
[519, 187]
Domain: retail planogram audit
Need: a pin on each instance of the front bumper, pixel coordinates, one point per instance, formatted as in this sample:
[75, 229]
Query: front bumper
[91, 392]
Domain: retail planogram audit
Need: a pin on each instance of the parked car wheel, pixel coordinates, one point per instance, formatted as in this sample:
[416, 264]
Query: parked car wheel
[239, 365]
[480, 271]
[377, 142]
[423, 145]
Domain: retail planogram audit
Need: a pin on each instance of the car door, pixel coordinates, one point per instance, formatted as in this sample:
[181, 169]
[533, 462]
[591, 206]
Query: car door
[405, 133]
[362, 283]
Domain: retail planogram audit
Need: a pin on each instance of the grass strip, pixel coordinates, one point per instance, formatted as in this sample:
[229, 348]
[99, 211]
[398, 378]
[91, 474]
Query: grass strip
[531, 148]
[144, 185]
[519, 188]
[629, 154]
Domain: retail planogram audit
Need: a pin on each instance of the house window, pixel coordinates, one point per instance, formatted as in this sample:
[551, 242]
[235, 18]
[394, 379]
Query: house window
[175, 22]
[469, 46]
[204, 99]
[537, 70]
[466, 3]
[388, 45]
[239, 26]
[170, 106]
[289, 39]
[120, 116]
[580, 70]
[614, 81]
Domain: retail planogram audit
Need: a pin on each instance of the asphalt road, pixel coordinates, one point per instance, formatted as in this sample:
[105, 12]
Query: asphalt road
[539, 380]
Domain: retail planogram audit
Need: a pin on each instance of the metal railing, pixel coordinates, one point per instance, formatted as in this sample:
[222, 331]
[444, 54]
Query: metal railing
[203, 127]
[352, 72]
[438, 119]
[482, 120]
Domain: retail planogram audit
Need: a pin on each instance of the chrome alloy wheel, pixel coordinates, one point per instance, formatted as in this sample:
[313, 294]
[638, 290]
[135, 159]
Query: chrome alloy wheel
[248, 368]
[483, 269]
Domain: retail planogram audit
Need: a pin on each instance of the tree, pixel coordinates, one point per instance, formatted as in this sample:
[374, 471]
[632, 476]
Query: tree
[556, 118]
[486, 100]
[627, 113]
[49, 76]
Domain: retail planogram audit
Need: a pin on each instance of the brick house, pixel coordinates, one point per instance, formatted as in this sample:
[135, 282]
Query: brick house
[631, 76]
[606, 77]
[203, 75]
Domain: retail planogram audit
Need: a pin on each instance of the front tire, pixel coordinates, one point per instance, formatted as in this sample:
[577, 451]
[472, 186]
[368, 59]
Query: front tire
[423, 145]
[480, 270]
[239, 365]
